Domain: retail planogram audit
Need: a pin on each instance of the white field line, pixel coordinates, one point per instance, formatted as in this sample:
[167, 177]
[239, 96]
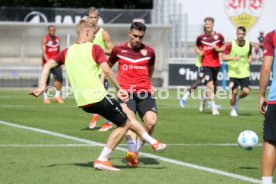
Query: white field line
[89, 145]
[46, 145]
[159, 107]
[176, 162]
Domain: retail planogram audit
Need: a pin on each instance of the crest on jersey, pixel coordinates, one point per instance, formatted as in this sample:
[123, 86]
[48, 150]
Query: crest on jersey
[244, 12]
[144, 52]
[215, 37]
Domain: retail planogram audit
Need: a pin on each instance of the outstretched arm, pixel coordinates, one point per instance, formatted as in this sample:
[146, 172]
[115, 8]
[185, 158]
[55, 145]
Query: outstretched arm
[44, 76]
[264, 76]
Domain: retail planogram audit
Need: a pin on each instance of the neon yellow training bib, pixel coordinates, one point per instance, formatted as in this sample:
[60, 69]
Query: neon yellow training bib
[83, 73]
[239, 69]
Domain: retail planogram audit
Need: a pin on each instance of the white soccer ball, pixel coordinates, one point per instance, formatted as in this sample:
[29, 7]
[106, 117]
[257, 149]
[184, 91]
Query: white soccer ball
[248, 139]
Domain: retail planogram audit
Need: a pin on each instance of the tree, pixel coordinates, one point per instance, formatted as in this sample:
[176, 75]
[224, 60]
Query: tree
[119, 4]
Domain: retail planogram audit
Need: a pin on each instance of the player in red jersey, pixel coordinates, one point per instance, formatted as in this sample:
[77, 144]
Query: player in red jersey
[83, 61]
[267, 107]
[50, 46]
[135, 68]
[208, 46]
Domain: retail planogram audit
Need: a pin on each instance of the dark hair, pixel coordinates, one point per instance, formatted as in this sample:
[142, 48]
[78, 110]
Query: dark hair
[242, 28]
[138, 26]
[51, 26]
[209, 19]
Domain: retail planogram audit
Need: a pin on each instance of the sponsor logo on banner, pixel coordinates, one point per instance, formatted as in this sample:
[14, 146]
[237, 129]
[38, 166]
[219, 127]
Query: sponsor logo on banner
[244, 12]
[36, 17]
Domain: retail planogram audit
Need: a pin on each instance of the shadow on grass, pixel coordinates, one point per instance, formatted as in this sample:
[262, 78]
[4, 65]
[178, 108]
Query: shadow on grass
[245, 114]
[143, 161]
[87, 128]
[248, 168]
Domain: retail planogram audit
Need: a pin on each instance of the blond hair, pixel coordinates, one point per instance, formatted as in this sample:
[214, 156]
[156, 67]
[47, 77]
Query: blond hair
[93, 10]
[82, 25]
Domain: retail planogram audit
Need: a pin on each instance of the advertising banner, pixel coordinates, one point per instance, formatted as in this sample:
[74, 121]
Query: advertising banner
[186, 74]
[70, 16]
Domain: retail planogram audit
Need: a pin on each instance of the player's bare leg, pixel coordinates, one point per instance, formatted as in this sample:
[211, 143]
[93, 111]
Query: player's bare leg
[211, 96]
[103, 163]
[245, 92]
[131, 138]
[189, 91]
[58, 86]
[268, 161]
[233, 101]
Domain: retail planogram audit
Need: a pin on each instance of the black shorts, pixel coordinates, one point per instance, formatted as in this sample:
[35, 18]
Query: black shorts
[269, 131]
[110, 109]
[141, 103]
[200, 73]
[234, 83]
[57, 73]
[209, 74]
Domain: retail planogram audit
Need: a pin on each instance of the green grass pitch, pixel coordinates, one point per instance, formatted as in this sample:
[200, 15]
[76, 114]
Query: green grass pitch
[197, 138]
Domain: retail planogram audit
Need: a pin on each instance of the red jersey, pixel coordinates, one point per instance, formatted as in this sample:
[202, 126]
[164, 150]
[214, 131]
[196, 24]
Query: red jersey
[269, 44]
[210, 57]
[97, 53]
[52, 47]
[133, 67]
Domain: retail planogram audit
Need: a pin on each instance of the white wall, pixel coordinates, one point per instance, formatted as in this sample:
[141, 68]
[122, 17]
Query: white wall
[197, 10]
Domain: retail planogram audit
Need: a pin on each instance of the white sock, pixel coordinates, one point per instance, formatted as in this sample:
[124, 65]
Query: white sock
[131, 144]
[148, 138]
[139, 144]
[213, 104]
[267, 180]
[232, 107]
[58, 93]
[105, 154]
[186, 96]
[45, 95]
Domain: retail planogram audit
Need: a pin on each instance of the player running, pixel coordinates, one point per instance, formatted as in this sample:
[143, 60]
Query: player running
[50, 45]
[208, 46]
[238, 55]
[102, 39]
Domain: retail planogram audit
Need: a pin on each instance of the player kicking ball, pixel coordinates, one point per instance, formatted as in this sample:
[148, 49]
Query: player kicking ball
[83, 61]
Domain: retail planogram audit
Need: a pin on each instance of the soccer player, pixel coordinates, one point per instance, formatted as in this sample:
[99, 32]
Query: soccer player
[182, 101]
[208, 46]
[83, 61]
[50, 45]
[268, 108]
[135, 68]
[238, 55]
[257, 53]
[102, 39]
